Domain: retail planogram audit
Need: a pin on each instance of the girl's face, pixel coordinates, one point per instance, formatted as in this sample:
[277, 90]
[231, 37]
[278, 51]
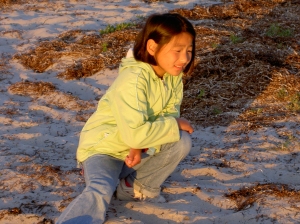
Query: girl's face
[174, 56]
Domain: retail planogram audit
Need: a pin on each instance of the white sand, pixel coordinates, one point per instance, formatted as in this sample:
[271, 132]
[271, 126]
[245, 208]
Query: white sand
[38, 175]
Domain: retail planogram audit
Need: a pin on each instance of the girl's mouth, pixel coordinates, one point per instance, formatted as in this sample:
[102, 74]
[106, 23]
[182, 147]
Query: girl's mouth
[179, 67]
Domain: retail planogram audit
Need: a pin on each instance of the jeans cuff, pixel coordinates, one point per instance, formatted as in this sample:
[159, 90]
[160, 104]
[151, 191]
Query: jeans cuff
[147, 191]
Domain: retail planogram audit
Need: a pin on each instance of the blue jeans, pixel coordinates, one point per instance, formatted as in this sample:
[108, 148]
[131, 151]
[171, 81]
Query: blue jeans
[102, 173]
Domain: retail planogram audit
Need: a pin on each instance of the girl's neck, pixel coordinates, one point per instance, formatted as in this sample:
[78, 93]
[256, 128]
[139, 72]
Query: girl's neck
[158, 75]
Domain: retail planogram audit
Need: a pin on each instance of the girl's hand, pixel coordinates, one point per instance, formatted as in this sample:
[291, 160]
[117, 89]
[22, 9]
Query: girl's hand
[133, 158]
[185, 125]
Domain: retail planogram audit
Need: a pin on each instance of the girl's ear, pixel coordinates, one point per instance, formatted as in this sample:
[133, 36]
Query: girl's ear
[151, 47]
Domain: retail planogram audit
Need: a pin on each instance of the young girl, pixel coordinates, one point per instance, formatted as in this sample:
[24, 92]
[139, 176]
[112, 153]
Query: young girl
[136, 138]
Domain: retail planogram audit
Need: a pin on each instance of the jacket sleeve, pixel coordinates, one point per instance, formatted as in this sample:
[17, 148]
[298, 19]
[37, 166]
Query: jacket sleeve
[130, 108]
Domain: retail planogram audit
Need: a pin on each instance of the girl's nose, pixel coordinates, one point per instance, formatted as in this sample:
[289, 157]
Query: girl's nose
[185, 57]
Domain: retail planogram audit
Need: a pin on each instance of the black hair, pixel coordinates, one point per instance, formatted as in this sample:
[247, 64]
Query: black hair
[161, 28]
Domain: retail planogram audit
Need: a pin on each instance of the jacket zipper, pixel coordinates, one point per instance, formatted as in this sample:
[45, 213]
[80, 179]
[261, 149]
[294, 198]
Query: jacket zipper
[163, 95]
[163, 81]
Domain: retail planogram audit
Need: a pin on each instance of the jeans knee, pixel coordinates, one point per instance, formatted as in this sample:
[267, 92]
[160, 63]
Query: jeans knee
[183, 146]
[186, 143]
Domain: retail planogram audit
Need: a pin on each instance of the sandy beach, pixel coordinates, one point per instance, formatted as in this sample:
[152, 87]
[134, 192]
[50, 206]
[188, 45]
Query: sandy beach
[57, 59]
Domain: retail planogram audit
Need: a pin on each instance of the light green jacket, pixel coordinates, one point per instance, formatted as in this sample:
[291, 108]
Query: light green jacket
[138, 111]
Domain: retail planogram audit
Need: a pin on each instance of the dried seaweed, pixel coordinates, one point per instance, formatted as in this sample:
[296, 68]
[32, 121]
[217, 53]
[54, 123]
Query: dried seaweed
[45, 55]
[31, 88]
[91, 52]
[231, 74]
[239, 8]
[38, 90]
[247, 196]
